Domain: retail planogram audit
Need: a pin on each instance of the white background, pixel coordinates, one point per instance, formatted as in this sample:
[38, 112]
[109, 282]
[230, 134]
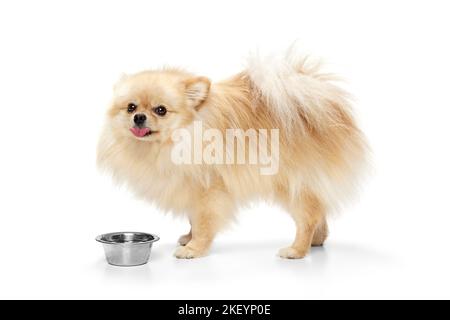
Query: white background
[58, 63]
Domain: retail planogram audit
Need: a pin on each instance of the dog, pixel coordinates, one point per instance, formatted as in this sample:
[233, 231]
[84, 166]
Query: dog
[321, 152]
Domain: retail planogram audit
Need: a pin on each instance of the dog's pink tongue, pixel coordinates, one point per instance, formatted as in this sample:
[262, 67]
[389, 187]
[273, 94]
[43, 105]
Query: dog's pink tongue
[139, 132]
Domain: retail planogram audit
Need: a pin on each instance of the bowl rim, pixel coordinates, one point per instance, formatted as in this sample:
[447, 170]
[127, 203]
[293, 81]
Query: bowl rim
[100, 237]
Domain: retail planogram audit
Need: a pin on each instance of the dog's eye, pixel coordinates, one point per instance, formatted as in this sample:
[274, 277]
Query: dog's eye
[160, 110]
[131, 107]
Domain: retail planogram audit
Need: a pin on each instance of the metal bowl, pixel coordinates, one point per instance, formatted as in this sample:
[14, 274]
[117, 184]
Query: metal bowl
[127, 249]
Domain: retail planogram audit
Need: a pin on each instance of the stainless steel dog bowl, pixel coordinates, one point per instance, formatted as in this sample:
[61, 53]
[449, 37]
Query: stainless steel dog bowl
[127, 249]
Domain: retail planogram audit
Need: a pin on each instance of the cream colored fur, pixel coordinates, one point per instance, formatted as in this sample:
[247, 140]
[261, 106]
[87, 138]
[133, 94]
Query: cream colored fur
[322, 151]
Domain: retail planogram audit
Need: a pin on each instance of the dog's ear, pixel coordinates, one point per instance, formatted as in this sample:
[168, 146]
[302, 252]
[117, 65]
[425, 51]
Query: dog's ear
[197, 90]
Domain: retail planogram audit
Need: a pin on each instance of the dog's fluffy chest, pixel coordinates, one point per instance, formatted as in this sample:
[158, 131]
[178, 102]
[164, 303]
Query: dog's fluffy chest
[147, 172]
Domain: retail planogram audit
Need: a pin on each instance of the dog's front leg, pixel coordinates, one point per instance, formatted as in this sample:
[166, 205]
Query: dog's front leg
[203, 230]
[185, 238]
[212, 211]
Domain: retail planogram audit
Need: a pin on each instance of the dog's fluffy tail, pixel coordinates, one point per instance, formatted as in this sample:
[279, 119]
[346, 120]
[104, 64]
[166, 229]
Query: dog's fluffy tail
[306, 101]
[296, 91]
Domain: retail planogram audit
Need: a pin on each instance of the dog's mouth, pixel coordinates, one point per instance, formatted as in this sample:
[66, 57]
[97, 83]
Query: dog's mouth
[141, 132]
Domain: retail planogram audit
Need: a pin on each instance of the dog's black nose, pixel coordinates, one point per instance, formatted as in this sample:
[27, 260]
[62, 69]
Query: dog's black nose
[139, 119]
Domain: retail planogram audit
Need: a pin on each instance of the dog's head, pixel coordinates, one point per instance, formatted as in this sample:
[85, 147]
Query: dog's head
[150, 105]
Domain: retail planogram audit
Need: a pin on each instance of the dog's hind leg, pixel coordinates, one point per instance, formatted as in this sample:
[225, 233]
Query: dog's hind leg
[308, 213]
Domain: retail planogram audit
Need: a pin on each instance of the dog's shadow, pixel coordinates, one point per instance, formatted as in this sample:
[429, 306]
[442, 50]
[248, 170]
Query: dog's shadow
[333, 255]
[265, 253]
[343, 258]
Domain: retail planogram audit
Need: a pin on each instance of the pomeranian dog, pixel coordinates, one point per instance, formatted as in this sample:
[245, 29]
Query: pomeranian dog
[316, 149]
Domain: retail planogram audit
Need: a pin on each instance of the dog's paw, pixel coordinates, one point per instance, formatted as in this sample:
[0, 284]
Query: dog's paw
[184, 239]
[291, 253]
[188, 253]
